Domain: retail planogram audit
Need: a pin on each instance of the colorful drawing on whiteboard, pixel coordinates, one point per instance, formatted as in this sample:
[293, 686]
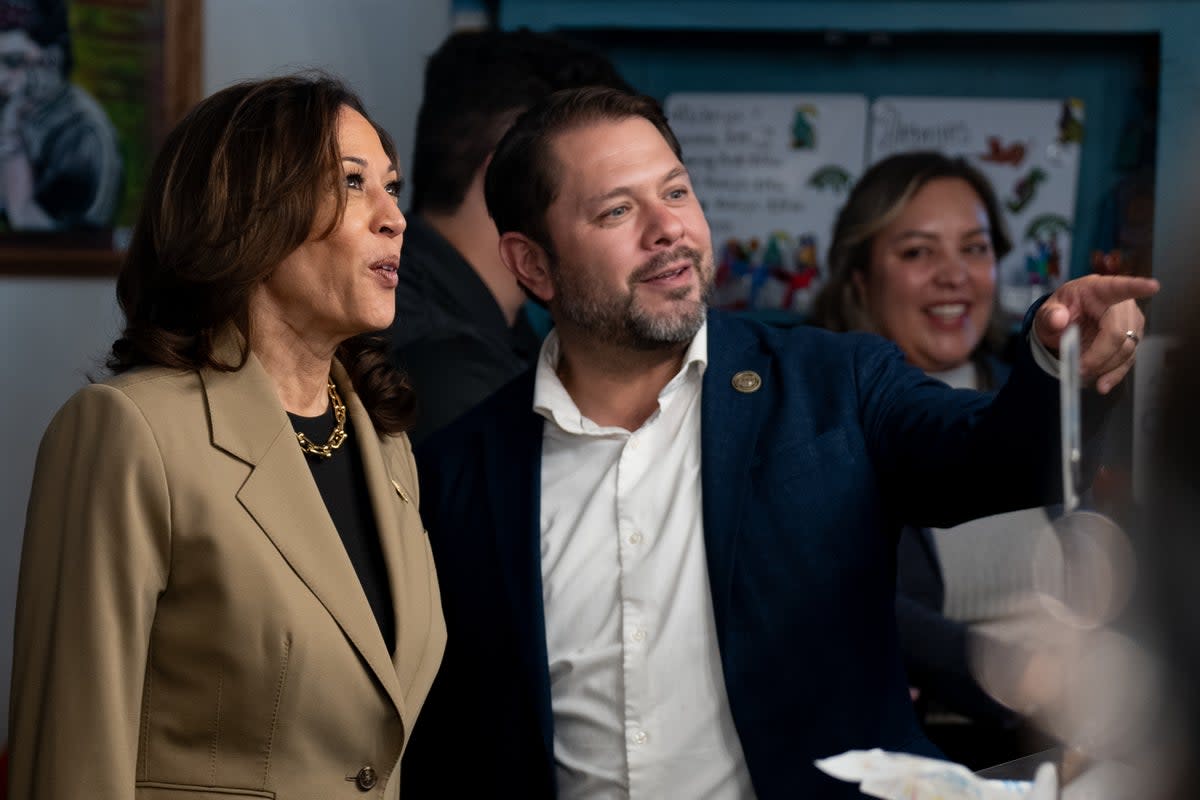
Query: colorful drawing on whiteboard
[1043, 254]
[1070, 122]
[830, 176]
[771, 171]
[998, 152]
[804, 128]
[1044, 226]
[1043, 263]
[1025, 189]
[782, 275]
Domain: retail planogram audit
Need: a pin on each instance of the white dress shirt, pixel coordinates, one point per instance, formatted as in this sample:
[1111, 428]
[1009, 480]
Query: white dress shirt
[638, 695]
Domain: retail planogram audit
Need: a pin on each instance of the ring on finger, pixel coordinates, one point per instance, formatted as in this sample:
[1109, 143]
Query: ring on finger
[1133, 337]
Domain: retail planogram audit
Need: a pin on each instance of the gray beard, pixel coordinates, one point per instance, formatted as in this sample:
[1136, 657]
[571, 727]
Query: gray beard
[650, 332]
[622, 321]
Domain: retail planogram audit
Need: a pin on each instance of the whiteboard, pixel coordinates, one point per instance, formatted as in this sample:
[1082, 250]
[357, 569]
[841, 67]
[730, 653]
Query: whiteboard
[771, 171]
[1028, 149]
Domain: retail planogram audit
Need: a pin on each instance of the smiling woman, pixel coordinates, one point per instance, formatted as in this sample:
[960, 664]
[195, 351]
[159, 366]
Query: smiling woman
[914, 257]
[932, 280]
[249, 595]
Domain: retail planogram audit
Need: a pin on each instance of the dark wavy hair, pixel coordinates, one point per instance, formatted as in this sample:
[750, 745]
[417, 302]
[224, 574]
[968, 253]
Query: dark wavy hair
[45, 23]
[236, 188]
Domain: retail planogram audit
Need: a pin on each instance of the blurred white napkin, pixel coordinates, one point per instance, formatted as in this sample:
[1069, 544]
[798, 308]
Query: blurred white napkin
[900, 776]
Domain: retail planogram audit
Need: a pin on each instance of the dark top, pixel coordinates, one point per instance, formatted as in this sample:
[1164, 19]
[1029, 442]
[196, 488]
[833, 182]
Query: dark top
[343, 487]
[450, 335]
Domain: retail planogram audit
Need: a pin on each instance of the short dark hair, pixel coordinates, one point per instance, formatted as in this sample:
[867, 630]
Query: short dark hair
[237, 187]
[45, 23]
[878, 197]
[475, 86]
[523, 179]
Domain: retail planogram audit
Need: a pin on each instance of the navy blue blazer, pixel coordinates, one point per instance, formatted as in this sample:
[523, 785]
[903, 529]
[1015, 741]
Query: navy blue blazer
[935, 649]
[805, 482]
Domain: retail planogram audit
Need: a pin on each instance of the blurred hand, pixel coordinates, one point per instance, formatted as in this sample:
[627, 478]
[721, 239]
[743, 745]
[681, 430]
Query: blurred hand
[1104, 309]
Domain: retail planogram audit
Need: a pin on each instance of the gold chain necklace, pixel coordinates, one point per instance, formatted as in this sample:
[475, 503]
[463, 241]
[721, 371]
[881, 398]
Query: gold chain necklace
[339, 430]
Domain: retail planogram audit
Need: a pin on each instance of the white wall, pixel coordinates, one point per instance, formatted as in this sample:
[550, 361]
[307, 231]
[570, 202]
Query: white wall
[378, 46]
[53, 332]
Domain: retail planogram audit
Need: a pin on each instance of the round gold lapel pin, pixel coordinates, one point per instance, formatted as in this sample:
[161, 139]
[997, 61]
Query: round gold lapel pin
[747, 381]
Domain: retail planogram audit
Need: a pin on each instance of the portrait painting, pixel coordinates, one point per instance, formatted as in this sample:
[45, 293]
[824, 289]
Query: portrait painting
[88, 89]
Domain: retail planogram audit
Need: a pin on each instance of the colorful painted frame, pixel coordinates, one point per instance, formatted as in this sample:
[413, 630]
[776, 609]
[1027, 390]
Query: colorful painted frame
[141, 59]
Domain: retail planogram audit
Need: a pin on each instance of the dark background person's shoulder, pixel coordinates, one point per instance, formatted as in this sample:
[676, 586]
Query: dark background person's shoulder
[452, 372]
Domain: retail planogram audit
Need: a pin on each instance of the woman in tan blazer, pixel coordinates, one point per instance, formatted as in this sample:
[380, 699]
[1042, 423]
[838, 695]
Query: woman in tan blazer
[225, 587]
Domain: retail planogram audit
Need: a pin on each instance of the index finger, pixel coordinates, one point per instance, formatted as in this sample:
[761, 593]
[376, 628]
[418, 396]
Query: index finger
[1113, 289]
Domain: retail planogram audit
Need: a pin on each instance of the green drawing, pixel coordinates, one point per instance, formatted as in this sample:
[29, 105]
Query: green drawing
[1025, 189]
[1045, 227]
[804, 132]
[830, 176]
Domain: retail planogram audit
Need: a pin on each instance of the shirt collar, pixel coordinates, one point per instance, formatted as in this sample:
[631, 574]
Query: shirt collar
[552, 401]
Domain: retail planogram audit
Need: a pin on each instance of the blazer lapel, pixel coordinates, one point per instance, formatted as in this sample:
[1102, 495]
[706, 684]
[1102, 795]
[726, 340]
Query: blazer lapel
[730, 423]
[249, 424]
[514, 467]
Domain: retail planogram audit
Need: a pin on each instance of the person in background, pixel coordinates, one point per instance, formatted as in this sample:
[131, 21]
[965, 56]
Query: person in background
[667, 550]
[913, 258]
[463, 328]
[225, 587]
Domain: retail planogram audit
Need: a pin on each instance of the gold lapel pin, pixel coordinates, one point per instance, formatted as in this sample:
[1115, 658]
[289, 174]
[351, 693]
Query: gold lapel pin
[401, 492]
[747, 381]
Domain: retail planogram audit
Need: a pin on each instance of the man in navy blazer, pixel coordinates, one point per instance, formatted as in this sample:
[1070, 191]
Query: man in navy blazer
[786, 458]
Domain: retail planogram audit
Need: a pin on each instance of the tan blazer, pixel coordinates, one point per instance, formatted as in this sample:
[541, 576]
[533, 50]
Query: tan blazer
[188, 622]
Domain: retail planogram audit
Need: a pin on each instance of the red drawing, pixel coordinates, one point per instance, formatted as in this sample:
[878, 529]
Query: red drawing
[1000, 153]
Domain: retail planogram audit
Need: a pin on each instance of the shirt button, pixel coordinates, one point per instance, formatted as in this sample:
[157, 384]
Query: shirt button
[640, 737]
[635, 537]
[366, 779]
[633, 443]
[639, 635]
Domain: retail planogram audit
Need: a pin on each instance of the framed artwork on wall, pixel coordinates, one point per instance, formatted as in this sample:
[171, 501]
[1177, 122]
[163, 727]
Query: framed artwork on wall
[88, 91]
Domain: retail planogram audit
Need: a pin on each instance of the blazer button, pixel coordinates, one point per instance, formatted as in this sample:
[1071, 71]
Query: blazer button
[366, 779]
